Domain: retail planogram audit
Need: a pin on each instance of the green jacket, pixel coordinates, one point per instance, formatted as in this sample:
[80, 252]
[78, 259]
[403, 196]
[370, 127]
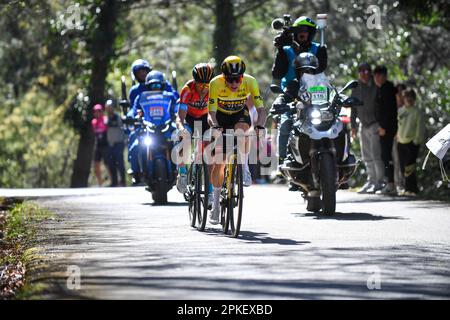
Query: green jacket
[411, 125]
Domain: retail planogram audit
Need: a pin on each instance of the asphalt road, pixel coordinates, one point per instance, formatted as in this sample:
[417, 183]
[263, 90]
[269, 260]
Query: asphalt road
[375, 247]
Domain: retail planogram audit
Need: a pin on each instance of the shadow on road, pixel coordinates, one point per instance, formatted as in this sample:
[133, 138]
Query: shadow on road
[377, 198]
[352, 216]
[257, 237]
[169, 204]
[264, 238]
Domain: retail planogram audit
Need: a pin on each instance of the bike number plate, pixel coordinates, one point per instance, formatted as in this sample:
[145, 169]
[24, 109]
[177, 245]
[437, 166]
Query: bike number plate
[156, 112]
[318, 94]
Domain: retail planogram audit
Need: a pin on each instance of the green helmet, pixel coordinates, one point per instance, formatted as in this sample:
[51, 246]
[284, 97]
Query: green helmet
[305, 23]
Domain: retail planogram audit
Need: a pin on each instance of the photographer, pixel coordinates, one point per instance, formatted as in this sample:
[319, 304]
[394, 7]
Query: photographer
[290, 43]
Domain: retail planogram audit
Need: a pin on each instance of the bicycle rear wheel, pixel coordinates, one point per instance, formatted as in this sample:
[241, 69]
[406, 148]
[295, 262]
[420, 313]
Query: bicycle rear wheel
[190, 195]
[224, 220]
[235, 202]
[201, 195]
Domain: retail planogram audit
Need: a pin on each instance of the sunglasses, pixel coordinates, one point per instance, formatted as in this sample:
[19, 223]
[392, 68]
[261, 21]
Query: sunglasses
[233, 79]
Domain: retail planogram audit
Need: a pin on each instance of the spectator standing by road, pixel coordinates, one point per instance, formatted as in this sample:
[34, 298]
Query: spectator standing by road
[101, 142]
[386, 112]
[116, 145]
[368, 129]
[411, 133]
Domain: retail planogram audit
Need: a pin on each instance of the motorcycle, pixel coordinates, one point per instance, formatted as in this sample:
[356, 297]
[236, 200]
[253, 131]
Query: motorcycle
[319, 160]
[155, 146]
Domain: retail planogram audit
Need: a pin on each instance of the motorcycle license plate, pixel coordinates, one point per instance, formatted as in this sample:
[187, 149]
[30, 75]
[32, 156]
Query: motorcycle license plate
[318, 94]
[156, 112]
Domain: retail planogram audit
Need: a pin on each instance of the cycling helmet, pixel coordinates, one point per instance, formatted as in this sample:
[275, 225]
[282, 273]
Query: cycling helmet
[305, 24]
[203, 72]
[155, 80]
[306, 62]
[233, 66]
[138, 65]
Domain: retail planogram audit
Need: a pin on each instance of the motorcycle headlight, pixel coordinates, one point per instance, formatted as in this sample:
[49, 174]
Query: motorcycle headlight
[148, 141]
[316, 117]
[315, 114]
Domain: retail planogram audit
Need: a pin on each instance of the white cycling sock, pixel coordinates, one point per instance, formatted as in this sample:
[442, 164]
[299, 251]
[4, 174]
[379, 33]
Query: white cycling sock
[216, 203]
[246, 168]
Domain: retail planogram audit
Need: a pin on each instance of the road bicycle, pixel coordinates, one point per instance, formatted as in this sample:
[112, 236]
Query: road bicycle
[232, 193]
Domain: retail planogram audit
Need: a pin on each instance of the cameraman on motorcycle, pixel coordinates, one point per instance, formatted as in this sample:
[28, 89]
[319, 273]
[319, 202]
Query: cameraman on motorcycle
[290, 43]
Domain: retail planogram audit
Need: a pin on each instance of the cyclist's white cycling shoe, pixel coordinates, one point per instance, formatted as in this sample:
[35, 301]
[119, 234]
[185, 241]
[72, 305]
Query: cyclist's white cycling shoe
[214, 216]
[182, 183]
[247, 179]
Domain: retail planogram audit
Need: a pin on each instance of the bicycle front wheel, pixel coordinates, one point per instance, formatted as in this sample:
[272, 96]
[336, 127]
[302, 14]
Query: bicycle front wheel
[235, 202]
[190, 195]
[201, 195]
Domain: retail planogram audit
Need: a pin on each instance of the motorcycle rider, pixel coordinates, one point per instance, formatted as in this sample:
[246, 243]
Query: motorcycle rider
[316, 90]
[288, 47]
[153, 94]
[193, 106]
[139, 71]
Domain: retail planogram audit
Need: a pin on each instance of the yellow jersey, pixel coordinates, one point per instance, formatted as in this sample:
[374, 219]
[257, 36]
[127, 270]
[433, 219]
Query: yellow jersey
[222, 99]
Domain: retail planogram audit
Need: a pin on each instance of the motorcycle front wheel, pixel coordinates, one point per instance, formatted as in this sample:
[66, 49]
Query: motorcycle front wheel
[160, 193]
[328, 183]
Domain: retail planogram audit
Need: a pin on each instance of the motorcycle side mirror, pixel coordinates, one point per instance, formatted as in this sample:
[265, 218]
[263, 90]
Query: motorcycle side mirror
[350, 85]
[276, 89]
[352, 102]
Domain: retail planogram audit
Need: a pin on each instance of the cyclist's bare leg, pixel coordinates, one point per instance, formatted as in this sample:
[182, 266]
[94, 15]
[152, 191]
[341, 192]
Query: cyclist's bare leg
[242, 126]
[217, 177]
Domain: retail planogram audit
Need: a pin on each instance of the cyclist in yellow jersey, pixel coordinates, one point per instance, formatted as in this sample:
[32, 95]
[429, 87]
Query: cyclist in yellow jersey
[230, 95]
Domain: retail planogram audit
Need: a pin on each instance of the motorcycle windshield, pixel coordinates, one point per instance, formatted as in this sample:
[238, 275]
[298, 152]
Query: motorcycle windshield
[156, 107]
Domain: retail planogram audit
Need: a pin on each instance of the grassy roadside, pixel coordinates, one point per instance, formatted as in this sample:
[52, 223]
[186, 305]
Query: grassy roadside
[19, 224]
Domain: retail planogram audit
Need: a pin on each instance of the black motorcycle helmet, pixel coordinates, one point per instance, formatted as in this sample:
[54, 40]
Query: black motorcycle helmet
[306, 62]
[155, 81]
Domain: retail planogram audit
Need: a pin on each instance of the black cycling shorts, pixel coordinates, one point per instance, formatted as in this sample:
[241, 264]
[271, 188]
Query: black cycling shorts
[204, 120]
[228, 121]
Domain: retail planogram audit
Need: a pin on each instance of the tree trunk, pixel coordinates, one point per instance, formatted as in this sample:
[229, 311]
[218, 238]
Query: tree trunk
[101, 49]
[224, 31]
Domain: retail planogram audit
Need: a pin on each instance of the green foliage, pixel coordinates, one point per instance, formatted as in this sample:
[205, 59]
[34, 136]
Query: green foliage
[21, 221]
[36, 147]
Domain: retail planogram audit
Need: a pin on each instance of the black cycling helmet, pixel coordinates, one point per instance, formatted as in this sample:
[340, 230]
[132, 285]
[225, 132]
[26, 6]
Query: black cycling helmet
[202, 72]
[306, 62]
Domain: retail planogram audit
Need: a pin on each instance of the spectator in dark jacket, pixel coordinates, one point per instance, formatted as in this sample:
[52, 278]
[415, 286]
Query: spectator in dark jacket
[386, 113]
